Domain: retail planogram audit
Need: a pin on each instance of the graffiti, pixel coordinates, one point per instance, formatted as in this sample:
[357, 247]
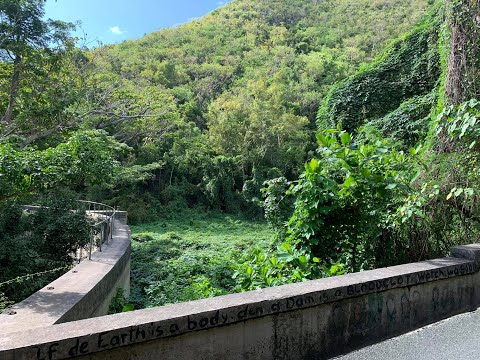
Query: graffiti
[364, 315]
[338, 320]
[375, 310]
[405, 307]
[416, 304]
[435, 299]
[391, 309]
[360, 318]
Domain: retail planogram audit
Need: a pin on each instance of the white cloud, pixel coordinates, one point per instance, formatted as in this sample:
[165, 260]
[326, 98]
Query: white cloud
[116, 30]
[222, 2]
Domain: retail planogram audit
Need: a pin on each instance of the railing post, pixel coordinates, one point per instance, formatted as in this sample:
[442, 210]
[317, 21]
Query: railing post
[103, 228]
[107, 231]
[91, 244]
[101, 238]
[113, 221]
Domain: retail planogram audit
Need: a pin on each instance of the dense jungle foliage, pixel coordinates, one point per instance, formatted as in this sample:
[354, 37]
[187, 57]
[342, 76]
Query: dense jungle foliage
[351, 126]
[230, 100]
[396, 179]
[192, 255]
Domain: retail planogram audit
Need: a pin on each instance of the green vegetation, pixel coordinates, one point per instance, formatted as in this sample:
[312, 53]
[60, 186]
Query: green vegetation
[190, 256]
[86, 158]
[229, 101]
[36, 248]
[39, 85]
[211, 109]
[222, 113]
[120, 303]
[409, 69]
[368, 200]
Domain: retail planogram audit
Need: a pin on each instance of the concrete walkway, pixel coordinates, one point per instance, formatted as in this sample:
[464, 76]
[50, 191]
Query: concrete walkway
[84, 291]
[454, 338]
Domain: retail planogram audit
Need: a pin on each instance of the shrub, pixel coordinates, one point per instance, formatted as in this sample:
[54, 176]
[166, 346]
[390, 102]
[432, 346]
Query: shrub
[40, 243]
[346, 196]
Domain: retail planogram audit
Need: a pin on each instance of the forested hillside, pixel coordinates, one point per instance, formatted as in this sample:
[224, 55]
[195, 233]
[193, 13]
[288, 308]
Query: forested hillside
[395, 176]
[230, 100]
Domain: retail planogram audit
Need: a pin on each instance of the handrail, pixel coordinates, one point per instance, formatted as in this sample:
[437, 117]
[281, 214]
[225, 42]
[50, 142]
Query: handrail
[102, 230]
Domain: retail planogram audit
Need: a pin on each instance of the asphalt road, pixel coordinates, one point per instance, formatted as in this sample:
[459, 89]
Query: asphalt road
[454, 338]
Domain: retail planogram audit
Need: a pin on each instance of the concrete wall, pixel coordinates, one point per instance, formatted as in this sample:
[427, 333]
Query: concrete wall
[312, 320]
[83, 292]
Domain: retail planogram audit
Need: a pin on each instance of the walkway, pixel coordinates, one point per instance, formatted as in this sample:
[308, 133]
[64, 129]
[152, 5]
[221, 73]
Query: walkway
[83, 292]
[454, 338]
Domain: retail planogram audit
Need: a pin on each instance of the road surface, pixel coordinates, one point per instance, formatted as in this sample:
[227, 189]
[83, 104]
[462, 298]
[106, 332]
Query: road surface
[454, 338]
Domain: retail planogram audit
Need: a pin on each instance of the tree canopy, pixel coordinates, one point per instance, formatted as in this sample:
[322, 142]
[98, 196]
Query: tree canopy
[24, 36]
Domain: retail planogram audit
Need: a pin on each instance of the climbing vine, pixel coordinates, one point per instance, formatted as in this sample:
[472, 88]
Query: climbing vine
[463, 63]
[409, 68]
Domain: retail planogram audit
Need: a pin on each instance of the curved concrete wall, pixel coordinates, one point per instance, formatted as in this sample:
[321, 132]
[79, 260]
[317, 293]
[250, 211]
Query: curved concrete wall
[85, 291]
[312, 320]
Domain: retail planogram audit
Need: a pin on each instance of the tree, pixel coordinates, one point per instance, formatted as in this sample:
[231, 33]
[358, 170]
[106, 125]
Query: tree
[86, 158]
[463, 62]
[23, 32]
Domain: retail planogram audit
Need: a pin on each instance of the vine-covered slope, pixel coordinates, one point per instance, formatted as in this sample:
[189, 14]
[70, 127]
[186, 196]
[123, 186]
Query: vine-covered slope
[397, 92]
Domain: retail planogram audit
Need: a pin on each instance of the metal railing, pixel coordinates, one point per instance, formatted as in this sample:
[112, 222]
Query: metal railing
[102, 229]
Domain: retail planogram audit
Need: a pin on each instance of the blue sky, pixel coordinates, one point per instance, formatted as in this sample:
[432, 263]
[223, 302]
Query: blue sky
[112, 21]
